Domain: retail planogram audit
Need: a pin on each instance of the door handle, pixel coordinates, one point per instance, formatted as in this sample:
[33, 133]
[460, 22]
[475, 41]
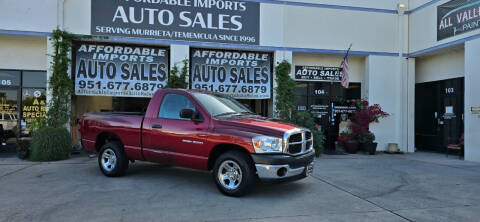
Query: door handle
[156, 126]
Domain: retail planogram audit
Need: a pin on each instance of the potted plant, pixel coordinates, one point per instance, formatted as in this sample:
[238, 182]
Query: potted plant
[348, 141]
[361, 119]
[366, 140]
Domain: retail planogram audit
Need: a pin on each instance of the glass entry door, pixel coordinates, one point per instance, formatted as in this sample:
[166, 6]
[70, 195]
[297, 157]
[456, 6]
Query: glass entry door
[9, 123]
[327, 102]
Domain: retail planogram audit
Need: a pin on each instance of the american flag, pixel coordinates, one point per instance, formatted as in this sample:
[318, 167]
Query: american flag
[345, 70]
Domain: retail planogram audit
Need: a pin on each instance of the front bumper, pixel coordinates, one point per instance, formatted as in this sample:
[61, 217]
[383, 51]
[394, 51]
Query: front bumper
[283, 167]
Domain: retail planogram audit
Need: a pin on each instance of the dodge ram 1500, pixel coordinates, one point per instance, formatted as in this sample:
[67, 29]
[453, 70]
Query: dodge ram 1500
[201, 130]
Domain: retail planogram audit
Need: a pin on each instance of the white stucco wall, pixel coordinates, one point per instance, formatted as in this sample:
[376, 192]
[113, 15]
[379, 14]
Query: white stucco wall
[271, 24]
[77, 16]
[32, 15]
[448, 65]
[336, 29]
[27, 53]
[472, 99]
[383, 86]
[378, 4]
[416, 3]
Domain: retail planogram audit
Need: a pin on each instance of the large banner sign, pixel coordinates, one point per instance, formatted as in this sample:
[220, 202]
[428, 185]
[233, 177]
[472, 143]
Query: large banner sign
[318, 73]
[457, 17]
[119, 70]
[242, 75]
[226, 21]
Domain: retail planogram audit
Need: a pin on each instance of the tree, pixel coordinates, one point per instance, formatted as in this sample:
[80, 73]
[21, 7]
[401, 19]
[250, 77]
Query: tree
[177, 81]
[286, 96]
[60, 84]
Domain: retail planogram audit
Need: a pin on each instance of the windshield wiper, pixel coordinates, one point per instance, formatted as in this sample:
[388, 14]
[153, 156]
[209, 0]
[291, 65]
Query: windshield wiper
[226, 114]
[248, 112]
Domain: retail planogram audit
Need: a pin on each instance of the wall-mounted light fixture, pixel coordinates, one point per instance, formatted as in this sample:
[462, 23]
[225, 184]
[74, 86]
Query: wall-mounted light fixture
[401, 8]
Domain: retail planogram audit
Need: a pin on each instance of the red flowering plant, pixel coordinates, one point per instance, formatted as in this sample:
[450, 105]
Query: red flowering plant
[344, 138]
[362, 118]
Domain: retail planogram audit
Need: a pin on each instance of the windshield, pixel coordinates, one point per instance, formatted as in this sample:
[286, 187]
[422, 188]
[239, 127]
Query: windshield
[220, 105]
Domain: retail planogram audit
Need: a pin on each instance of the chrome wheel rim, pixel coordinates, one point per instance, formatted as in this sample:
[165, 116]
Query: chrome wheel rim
[230, 174]
[109, 160]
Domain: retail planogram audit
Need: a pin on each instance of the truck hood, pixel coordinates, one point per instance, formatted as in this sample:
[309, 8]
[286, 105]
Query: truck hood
[258, 124]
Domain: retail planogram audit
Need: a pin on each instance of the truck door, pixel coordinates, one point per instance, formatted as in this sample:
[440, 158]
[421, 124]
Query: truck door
[153, 145]
[182, 140]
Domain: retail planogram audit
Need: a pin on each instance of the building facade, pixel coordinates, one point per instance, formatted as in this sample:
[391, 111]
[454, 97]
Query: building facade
[416, 58]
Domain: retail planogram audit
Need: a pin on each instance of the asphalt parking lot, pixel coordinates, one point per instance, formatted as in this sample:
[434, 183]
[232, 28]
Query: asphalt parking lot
[413, 187]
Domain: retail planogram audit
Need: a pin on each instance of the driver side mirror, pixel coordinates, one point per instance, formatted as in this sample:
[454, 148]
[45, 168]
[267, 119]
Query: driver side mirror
[190, 114]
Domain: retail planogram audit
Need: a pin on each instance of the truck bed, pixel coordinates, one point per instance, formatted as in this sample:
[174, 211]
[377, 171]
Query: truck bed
[125, 125]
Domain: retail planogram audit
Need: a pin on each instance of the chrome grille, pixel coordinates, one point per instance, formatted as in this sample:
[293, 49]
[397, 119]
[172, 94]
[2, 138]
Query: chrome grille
[308, 135]
[299, 141]
[294, 138]
[295, 148]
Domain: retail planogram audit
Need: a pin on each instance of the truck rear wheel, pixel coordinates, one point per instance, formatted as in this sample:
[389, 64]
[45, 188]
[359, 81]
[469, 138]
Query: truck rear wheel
[112, 159]
[234, 173]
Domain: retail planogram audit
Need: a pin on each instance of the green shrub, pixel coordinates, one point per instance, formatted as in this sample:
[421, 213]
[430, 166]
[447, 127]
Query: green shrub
[36, 124]
[176, 80]
[285, 102]
[51, 144]
[23, 148]
[307, 120]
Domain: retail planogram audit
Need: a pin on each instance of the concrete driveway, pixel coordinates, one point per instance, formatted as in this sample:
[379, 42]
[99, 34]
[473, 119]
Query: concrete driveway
[413, 187]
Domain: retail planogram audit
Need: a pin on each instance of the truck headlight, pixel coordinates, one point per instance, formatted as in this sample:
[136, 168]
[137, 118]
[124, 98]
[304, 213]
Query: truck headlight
[267, 144]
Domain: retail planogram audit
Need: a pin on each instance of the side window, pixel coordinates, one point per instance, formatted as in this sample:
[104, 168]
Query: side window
[172, 104]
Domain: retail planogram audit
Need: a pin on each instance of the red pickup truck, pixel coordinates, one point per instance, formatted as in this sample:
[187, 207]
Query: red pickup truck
[201, 130]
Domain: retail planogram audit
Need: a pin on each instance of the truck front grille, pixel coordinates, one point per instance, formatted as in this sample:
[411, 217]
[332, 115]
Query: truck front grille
[295, 138]
[299, 141]
[295, 148]
[308, 135]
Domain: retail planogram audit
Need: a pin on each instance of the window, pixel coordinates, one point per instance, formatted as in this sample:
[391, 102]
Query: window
[9, 78]
[220, 104]
[34, 96]
[34, 79]
[172, 104]
[22, 99]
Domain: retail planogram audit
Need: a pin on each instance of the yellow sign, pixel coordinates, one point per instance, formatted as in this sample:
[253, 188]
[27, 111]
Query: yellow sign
[38, 109]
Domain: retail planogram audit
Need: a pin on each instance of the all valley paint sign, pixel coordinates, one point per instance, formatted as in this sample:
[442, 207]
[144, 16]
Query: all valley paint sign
[119, 70]
[225, 21]
[457, 17]
[318, 73]
[242, 75]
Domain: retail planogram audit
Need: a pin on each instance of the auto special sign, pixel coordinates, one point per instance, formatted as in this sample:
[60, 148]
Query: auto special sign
[226, 21]
[318, 73]
[457, 17]
[242, 75]
[119, 70]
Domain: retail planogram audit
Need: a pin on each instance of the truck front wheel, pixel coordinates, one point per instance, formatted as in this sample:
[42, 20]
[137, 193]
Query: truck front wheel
[234, 173]
[112, 159]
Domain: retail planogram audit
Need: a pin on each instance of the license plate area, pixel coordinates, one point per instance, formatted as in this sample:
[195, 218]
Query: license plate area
[309, 168]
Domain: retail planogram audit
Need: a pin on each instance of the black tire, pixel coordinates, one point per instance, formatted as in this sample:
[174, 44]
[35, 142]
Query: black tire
[120, 166]
[248, 177]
